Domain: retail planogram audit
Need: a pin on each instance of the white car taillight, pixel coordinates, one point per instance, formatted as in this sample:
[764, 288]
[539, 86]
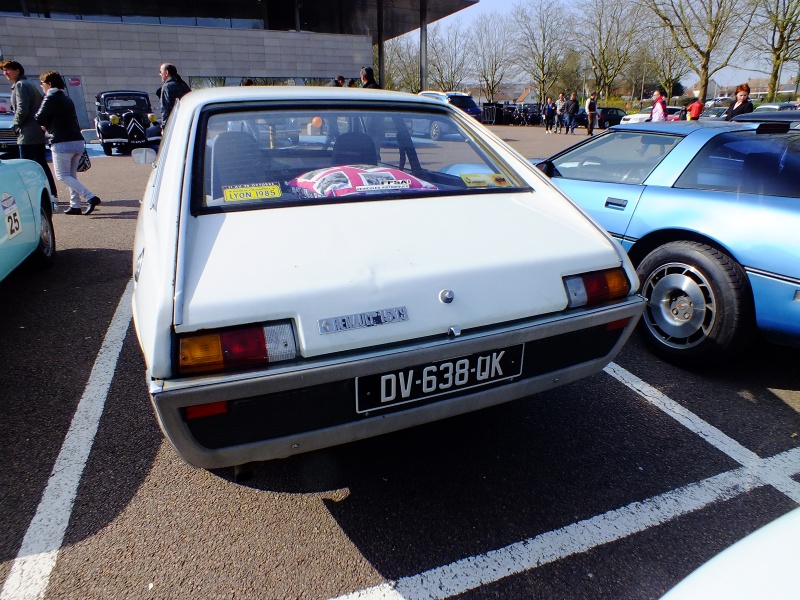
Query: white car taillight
[236, 348]
[595, 287]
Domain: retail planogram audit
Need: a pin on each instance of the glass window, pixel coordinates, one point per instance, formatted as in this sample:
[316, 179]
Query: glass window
[247, 23]
[746, 163]
[616, 157]
[103, 18]
[260, 157]
[462, 101]
[141, 19]
[209, 22]
[185, 21]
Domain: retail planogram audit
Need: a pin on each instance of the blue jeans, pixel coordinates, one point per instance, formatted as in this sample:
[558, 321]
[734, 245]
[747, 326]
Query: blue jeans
[569, 123]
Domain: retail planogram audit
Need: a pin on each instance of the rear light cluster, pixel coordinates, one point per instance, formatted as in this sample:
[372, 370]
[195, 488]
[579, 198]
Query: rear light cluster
[236, 348]
[592, 288]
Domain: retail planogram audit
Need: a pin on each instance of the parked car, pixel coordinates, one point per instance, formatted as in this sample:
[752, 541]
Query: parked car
[762, 565]
[775, 106]
[125, 120]
[674, 113]
[292, 298]
[27, 214]
[606, 117]
[458, 99]
[715, 112]
[721, 101]
[709, 213]
[8, 139]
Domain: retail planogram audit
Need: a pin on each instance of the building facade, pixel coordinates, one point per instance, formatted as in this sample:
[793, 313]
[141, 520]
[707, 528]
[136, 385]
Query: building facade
[99, 46]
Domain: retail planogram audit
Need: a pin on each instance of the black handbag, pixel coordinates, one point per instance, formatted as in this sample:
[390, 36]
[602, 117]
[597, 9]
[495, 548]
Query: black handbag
[84, 164]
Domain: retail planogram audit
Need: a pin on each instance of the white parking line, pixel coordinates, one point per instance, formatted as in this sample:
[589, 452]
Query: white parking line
[760, 468]
[30, 573]
[475, 571]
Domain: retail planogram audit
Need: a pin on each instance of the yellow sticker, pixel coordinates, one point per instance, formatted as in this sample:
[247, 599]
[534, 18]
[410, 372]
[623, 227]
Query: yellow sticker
[259, 191]
[485, 180]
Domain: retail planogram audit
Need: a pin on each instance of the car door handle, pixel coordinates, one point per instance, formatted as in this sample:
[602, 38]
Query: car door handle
[616, 203]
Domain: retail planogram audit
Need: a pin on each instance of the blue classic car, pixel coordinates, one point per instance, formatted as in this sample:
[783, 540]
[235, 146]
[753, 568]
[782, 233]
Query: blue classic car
[27, 214]
[709, 213]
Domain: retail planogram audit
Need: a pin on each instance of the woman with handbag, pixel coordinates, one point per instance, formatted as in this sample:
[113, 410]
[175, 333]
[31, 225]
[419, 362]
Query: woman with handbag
[57, 116]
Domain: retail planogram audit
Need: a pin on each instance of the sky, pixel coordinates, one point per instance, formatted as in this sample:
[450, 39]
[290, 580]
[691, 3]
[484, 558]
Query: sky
[726, 76]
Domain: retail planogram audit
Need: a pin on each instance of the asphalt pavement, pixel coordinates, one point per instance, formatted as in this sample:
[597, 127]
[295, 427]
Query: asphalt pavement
[613, 487]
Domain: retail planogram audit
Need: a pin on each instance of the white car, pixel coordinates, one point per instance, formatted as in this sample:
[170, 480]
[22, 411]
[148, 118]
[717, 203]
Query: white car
[292, 295]
[762, 565]
[673, 114]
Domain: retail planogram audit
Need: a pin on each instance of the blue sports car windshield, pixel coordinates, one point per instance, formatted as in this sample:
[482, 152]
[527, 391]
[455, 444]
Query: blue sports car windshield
[616, 157]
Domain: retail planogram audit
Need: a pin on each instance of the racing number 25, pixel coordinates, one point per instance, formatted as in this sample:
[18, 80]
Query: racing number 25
[12, 224]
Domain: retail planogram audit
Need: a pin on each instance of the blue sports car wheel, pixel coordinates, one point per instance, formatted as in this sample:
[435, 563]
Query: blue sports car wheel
[699, 305]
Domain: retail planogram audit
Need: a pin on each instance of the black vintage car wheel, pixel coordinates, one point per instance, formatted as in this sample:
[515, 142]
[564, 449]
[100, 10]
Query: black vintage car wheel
[699, 305]
[108, 149]
[436, 131]
[606, 124]
[45, 252]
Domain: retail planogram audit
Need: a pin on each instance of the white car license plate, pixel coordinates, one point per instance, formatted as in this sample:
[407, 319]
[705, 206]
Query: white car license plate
[374, 392]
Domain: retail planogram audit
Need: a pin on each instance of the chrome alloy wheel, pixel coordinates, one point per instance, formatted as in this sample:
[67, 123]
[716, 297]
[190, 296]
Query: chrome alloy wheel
[681, 306]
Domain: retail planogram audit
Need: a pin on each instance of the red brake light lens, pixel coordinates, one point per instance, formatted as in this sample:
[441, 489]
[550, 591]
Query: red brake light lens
[236, 348]
[596, 287]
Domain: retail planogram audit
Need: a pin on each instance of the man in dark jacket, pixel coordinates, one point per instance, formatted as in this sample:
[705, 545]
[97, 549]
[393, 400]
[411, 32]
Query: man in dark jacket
[174, 87]
[368, 78]
[26, 98]
[570, 110]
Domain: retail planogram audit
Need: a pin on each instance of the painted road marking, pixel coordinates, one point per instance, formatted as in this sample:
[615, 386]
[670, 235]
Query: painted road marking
[472, 572]
[30, 573]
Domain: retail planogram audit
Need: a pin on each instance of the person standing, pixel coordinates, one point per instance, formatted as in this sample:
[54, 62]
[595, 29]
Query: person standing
[591, 112]
[549, 112]
[742, 104]
[694, 110]
[57, 116]
[659, 110]
[570, 110]
[173, 88]
[368, 79]
[561, 104]
[26, 98]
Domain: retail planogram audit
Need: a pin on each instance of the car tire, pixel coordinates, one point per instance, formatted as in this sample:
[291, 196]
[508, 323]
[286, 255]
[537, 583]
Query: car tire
[435, 131]
[606, 124]
[699, 304]
[45, 252]
[108, 149]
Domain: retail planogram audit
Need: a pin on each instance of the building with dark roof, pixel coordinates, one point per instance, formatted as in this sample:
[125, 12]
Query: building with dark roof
[120, 44]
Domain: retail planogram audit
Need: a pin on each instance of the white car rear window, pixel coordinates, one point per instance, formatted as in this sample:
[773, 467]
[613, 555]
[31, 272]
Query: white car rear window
[258, 158]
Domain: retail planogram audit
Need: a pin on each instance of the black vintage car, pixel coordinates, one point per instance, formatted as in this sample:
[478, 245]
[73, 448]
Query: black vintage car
[125, 120]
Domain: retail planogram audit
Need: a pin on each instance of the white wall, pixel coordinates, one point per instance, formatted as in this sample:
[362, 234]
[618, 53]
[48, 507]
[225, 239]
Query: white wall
[109, 56]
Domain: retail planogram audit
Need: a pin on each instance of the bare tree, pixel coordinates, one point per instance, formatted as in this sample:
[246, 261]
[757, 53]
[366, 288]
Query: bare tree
[670, 66]
[448, 64]
[492, 48]
[401, 57]
[704, 30]
[538, 37]
[608, 33]
[776, 34]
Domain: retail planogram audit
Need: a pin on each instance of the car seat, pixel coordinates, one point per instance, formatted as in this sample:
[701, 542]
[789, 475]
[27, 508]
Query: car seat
[354, 149]
[236, 160]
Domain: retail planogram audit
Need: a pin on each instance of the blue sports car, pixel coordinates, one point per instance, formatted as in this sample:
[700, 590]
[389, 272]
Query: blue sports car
[709, 212]
[27, 214]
